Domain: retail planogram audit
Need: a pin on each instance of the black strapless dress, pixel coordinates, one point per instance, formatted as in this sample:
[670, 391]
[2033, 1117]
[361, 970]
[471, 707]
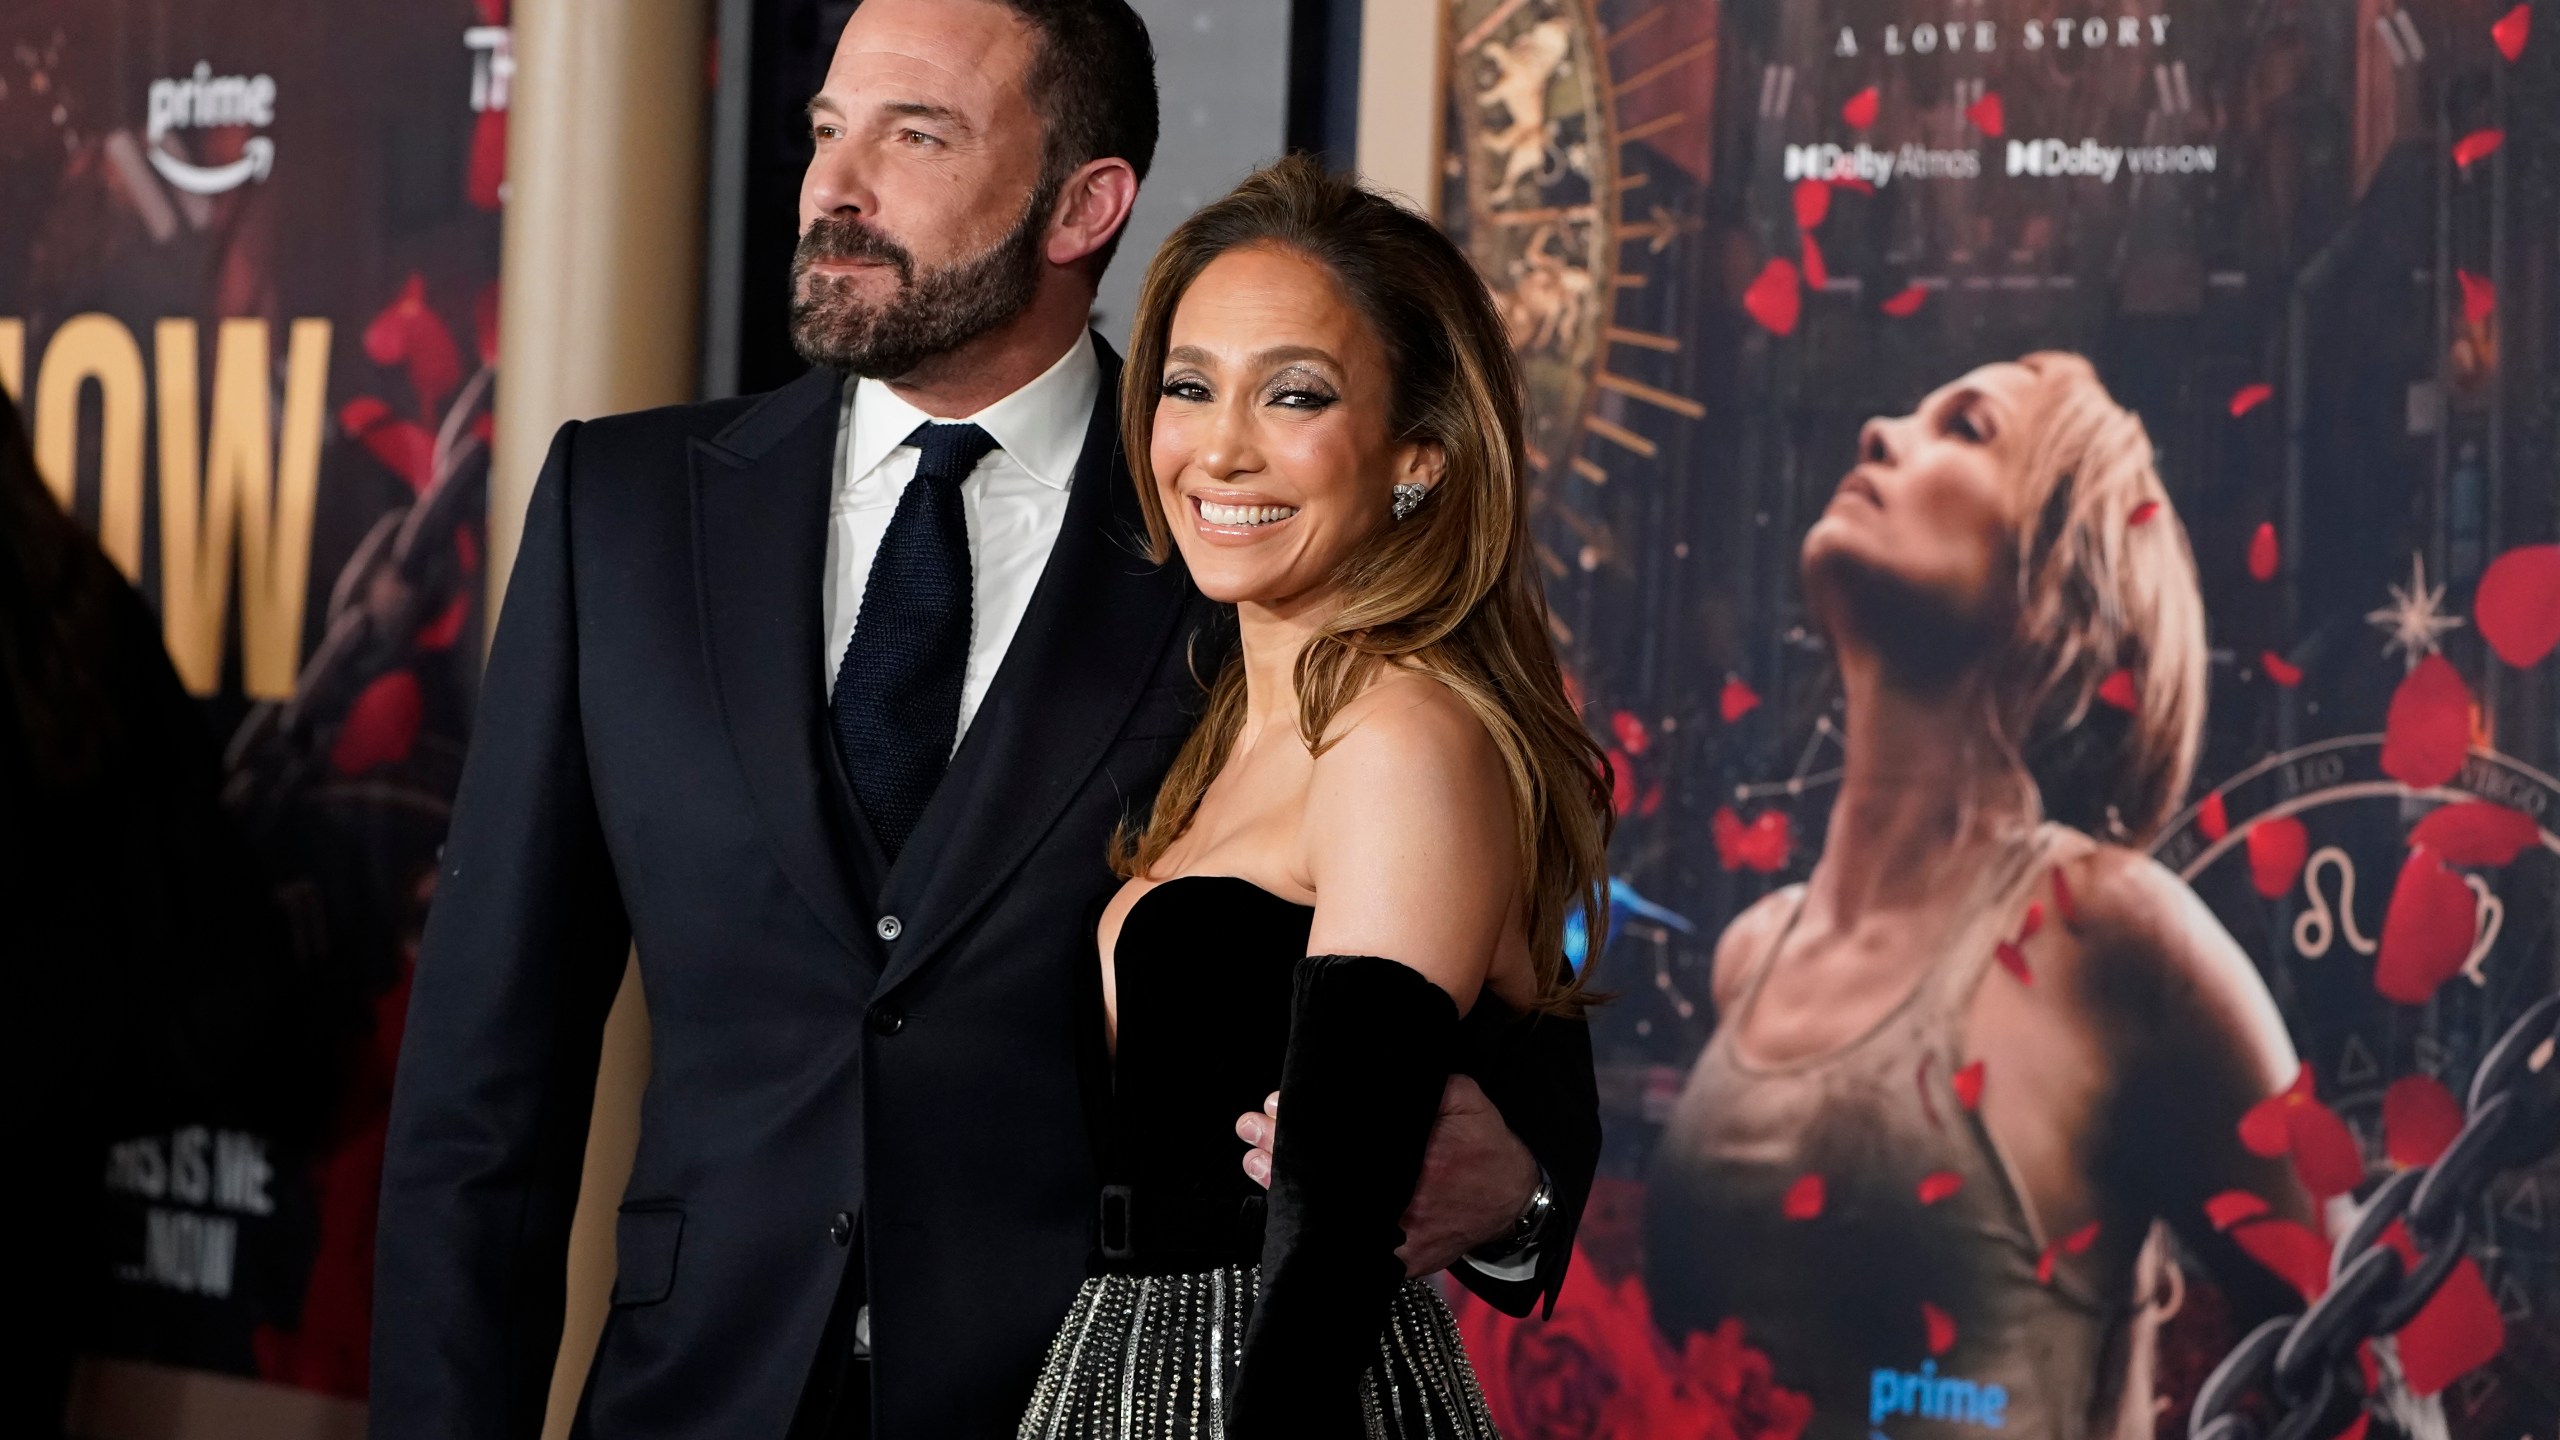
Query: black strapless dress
[1155, 1341]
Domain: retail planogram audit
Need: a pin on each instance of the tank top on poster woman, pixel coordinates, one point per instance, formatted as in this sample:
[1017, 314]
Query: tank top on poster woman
[1896, 1316]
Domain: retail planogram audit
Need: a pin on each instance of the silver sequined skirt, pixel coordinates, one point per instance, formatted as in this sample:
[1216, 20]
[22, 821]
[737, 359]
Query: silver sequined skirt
[1152, 1357]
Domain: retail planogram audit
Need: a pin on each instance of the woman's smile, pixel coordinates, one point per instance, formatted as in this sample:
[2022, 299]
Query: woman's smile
[1238, 517]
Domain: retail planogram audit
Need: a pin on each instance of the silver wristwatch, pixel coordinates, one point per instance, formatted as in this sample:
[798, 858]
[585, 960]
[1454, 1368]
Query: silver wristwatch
[1524, 1231]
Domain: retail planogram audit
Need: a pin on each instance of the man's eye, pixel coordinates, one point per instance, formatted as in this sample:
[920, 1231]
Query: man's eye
[822, 132]
[917, 138]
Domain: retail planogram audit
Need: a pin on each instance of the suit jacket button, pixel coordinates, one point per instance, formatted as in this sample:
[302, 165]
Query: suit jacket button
[889, 928]
[887, 1021]
[840, 1229]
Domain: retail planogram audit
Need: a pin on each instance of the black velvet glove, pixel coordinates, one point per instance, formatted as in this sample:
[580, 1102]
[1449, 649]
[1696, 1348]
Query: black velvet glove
[1371, 1045]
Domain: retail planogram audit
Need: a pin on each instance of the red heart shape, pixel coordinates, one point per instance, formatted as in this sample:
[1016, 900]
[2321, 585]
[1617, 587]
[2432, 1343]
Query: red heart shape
[1736, 699]
[2250, 397]
[2213, 819]
[2428, 729]
[2479, 297]
[1860, 111]
[2518, 604]
[1941, 1327]
[1988, 115]
[1905, 302]
[1804, 1198]
[2477, 146]
[1776, 298]
[1937, 1185]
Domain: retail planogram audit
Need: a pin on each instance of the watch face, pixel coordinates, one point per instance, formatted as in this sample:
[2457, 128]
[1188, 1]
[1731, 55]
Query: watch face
[2301, 604]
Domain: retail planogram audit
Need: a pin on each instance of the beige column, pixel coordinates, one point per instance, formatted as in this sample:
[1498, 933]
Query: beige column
[601, 286]
[1400, 98]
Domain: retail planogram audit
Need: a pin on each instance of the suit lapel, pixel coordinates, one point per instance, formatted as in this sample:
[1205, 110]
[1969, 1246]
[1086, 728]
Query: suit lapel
[1089, 644]
[760, 495]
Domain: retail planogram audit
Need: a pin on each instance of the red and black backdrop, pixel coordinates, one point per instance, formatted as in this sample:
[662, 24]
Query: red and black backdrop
[248, 265]
[2313, 246]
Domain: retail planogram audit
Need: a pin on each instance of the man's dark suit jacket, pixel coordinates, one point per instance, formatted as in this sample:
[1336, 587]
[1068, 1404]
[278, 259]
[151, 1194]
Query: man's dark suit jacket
[653, 764]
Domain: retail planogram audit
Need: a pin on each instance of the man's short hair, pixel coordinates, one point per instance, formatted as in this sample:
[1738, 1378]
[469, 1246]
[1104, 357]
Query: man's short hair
[1094, 82]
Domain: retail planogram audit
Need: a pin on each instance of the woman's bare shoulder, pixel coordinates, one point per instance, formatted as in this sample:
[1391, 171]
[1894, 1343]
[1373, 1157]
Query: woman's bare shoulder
[1748, 939]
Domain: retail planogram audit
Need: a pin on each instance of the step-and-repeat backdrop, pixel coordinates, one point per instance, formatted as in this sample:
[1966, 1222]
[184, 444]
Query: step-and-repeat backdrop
[248, 264]
[2311, 245]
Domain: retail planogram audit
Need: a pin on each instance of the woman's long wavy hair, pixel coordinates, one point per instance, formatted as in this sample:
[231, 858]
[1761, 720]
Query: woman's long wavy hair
[2106, 589]
[1453, 590]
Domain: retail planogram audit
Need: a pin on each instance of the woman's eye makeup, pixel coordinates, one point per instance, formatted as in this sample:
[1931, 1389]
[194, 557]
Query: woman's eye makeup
[1184, 387]
[1299, 390]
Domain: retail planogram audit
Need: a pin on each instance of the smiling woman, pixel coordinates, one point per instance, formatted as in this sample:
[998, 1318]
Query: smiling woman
[1379, 827]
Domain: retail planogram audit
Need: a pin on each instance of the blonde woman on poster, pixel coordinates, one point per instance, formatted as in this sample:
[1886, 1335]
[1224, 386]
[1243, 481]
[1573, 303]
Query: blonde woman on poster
[1969, 1074]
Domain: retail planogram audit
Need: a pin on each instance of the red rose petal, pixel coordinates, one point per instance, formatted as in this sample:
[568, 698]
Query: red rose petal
[1762, 845]
[1776, 298]
[1817, 273]
[2234, 1206]
[381, 726]
[2479, 297]
[440, 633]
[1988, 115]
[2263, 554]
[1736, 699]
[2476, 832]
[2062, 900]
[2031, 922]
[1804, 1198]
[2419, 1119]
[485, 181]
[1860, 111]
[2459, 1331]
[2117, 690]
[2477, 146]
[2518, 604]
[2079, 1241]
[1813, 203]
[1630, 732]
[2282, 671]
[2213, 821]
[2288, 1248]
[2277, 850]
[1905, 302]
[2143, 512]
[2427, 933]
[2325, 1156]
[2014, 960]
[2428, 730]
[1622, 781]
[2511, 31]
[1968, 1085]
[1937, 1185]
[2250, 397]
[2264, 1129]
[1941, 1327]
[362, 414]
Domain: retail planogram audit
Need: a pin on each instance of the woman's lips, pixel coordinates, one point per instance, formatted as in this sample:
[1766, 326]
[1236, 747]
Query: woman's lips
[1241, 518]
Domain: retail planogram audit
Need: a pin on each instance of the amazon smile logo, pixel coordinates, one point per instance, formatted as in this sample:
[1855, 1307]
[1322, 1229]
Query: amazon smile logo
[206, 101]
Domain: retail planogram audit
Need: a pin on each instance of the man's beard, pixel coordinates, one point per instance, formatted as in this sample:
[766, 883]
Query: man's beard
[931, 314]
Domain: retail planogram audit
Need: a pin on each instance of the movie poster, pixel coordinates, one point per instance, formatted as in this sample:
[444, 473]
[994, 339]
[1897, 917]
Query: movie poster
[2261, 591]
[248, 303]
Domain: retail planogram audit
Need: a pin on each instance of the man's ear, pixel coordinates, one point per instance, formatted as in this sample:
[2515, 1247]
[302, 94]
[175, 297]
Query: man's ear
[1092, 206]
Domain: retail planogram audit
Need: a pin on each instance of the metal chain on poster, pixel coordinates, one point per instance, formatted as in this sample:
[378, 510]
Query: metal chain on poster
[2313, 1374]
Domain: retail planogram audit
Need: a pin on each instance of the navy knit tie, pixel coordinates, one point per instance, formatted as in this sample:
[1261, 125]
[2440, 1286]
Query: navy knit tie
[897, 700]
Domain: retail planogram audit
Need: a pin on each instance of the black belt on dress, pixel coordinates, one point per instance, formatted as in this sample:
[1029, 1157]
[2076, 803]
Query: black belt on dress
[1159, 1231]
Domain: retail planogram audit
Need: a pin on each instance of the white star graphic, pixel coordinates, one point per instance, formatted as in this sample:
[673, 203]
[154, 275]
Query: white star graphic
[2415, 619]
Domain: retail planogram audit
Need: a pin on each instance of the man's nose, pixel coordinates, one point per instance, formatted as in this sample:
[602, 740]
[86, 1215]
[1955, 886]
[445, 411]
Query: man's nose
[835, 186]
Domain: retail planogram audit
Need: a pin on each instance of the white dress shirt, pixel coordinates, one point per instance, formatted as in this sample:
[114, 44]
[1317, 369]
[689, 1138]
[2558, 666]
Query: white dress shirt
[1016, 503]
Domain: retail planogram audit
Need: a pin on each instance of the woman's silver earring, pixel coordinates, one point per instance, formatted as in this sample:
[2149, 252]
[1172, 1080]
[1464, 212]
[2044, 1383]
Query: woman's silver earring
[1408, 497]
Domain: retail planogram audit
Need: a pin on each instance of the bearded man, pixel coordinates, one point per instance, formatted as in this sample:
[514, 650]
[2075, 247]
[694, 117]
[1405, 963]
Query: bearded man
[829, 701]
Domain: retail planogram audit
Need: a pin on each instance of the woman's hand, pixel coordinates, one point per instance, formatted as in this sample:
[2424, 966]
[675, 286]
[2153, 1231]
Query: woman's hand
[1476, 1177]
